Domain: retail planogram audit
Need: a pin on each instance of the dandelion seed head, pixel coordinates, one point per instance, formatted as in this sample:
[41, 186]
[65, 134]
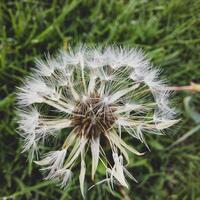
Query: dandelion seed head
[99, 95]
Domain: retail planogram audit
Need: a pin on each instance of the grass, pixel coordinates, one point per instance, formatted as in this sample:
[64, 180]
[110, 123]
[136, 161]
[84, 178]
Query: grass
[167, 30]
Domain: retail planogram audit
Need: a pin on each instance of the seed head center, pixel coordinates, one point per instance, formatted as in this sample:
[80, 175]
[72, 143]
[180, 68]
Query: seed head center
[93, 118]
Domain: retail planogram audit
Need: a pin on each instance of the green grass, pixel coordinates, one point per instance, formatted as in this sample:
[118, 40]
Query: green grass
[167, 30]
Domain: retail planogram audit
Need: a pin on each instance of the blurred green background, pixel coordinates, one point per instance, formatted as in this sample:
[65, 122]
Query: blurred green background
[168, 30]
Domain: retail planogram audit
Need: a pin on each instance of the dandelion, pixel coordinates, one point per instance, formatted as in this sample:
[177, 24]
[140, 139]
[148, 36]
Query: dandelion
[94, 97]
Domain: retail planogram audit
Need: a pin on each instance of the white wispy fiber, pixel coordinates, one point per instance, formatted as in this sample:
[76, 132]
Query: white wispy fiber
[98, 95]
[54, 160]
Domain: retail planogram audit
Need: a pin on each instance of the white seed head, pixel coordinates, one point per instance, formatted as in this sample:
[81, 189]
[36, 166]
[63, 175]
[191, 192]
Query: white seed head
[95, 95]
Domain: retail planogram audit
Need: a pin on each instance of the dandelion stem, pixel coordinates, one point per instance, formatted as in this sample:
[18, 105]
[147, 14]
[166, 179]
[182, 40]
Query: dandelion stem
[124, 193]
[192, 87]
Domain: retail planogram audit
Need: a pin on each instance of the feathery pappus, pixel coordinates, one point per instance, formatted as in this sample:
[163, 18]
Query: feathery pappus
[94, 97]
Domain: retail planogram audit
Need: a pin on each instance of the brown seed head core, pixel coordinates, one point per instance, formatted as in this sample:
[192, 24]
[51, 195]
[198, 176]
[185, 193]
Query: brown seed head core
[93, 117]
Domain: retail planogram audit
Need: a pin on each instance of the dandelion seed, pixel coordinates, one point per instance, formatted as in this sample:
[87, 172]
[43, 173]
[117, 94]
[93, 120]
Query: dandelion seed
[99, 95]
